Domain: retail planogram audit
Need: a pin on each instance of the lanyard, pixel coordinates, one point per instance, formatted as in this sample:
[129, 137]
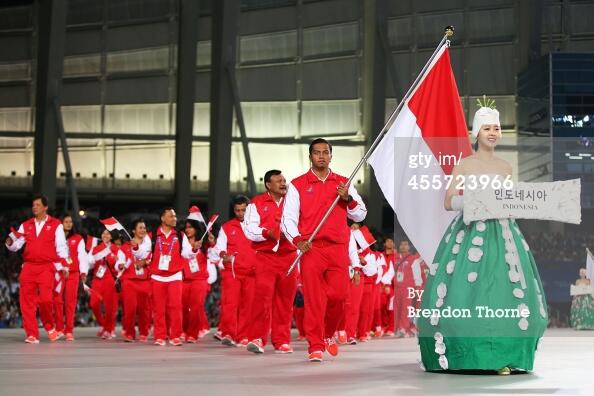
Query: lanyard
[160, 245]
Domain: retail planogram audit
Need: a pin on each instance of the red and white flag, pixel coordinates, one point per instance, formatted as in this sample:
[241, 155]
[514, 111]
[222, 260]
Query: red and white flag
[90, 291]
[428, 137]
[195, 214]
[111, 223]
[363, 237]
[211, 222]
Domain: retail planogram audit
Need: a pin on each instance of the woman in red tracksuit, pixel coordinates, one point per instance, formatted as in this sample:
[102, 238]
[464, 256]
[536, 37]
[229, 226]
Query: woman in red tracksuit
[195, 285]
[105, 257]
[66, 294]
[136, 285]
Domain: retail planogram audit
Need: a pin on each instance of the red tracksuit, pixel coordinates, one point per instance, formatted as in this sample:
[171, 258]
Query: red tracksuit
[275, 291]
[387, 305]
[67, 296]
[37, 274]
[166, 282]
[376, 324]
[237, 280]
[104, 283]
[353, 303]
[136, 292]
[324, 269]
[194, 292]
[403, 280]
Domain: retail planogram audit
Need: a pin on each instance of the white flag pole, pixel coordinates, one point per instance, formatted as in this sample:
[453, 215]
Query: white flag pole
[449, 31]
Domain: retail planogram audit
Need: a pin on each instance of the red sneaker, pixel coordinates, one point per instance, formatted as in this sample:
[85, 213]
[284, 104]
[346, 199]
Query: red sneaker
[60, 335]
[378, 332]
[69, 337]
[331, 346]
[389, 333]
[342, 337]
[31, 340]
[100, 332]
[182, 337]
[202, 333]
[352, 341]
[256, 346]
[52, 335]
[316, 356]
[243, 343]
[160, 342]
[128, 338]
[285, 348]
[218, 336]
[142, 338]
[191, 340]
[175, 342]
[228, 341]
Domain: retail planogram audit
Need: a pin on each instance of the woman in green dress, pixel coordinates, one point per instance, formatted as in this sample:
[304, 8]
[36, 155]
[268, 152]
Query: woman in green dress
[483, 307]
[582, 306]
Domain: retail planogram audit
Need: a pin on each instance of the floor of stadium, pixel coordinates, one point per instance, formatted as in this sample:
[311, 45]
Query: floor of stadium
[389, 366]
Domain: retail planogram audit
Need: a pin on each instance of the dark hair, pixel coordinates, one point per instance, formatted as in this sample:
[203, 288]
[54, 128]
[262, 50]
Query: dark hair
[268, 175]
[165, 209]
[42, 197]
[115, 235]
[240, 200]
[200, 228]
[318, 141]
[475, 145]
[74, 229]
[135, 223]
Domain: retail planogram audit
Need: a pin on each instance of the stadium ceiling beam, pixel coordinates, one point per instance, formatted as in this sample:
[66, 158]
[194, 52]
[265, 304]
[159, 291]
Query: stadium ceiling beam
[375, 66]
[189, 12]
[225, 21]
[529, 27]
[51, 27]
[337, 140]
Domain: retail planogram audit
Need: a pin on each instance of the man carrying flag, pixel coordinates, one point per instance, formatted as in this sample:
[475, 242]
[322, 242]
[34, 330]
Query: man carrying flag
[45, 244]
[325, 261]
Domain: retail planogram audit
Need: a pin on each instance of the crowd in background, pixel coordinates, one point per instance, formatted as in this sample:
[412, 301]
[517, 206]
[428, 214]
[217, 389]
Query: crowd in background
[545, 246]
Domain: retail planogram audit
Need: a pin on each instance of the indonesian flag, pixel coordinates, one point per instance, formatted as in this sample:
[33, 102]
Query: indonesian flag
[211, 222]
[111, 223]
[91, 242]
[429, 128]
[195, 214]
[363, 237]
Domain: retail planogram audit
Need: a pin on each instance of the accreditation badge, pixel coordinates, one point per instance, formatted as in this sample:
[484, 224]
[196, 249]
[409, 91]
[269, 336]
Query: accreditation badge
[164, 261]
[101, 271]
[194, 265]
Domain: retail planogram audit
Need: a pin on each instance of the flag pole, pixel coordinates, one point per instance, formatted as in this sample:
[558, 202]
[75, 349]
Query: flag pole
[449, 31]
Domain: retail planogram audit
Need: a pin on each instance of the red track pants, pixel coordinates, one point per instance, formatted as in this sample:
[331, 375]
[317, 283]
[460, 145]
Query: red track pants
[325, 278]
[274, 294]
[36, 285]
[167, 308]
[136, 304]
